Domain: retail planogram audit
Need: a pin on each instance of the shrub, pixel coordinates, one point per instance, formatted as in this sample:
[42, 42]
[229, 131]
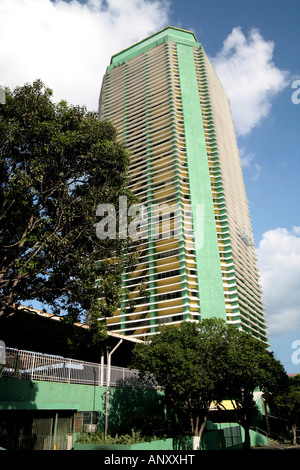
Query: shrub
[125, 439]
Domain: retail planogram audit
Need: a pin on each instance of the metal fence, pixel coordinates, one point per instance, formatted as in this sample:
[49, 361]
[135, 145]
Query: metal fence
[36, 366]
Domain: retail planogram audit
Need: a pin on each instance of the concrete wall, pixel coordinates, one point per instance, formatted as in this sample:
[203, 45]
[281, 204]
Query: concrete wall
[127, 406]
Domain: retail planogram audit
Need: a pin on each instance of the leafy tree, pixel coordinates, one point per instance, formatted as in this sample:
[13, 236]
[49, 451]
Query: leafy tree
[58, 163]
[200, 363]
[287, 404]
[250, 366]
[188, 362]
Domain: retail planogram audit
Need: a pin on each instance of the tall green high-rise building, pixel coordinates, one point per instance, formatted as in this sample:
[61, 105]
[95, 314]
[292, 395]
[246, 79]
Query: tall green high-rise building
[172, 113]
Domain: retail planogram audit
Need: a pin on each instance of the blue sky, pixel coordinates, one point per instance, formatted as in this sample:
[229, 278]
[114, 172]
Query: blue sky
[254, 47]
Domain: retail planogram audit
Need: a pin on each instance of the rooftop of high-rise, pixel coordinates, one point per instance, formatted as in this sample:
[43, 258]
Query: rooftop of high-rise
[170, 33]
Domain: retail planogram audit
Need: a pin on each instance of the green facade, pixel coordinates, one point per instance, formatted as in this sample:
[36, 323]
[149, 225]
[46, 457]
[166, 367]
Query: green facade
[129, 407]
[206, 243]
[24, 401]
[165, 35]
[164, 98]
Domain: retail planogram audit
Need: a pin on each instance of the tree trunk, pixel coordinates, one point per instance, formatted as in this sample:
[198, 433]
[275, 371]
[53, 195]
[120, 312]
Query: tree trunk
[197, 430]
[196, 442]
[247, 442]
[294, 441]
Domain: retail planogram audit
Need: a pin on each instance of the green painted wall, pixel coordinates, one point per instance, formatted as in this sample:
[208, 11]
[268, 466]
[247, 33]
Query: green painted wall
[212, 302]
[127, 406]
[39, 395]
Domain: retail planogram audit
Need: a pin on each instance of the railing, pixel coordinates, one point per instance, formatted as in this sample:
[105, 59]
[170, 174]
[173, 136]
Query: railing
[259, 430]
[36, 366]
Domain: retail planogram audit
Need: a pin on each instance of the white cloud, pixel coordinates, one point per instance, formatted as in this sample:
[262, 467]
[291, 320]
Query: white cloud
[248, 161]
[279, 263]
[68, 45]
[246, 69]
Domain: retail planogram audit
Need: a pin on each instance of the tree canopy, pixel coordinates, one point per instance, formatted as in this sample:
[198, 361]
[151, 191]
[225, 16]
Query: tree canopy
[287, 404]
[187, 362]
[208, 361]
[249, 367]
[58, 163]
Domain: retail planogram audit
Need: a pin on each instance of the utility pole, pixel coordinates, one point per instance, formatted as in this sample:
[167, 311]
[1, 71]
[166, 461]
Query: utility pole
[109, 353]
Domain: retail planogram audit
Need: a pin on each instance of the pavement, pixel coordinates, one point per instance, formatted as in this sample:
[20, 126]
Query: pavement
[277, 447]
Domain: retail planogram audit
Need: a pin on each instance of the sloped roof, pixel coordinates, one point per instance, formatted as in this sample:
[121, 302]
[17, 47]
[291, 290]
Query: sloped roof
[35, 330]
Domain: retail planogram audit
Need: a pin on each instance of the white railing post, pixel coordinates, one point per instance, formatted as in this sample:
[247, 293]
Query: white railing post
[102, 367]
[32, 367]
[69, 375]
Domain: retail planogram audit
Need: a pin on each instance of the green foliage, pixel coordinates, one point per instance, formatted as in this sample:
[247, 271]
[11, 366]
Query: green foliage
[248, 366]
[98, 437]
[287, 404]
[57, 164]
[188, 363]
[199, 363]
